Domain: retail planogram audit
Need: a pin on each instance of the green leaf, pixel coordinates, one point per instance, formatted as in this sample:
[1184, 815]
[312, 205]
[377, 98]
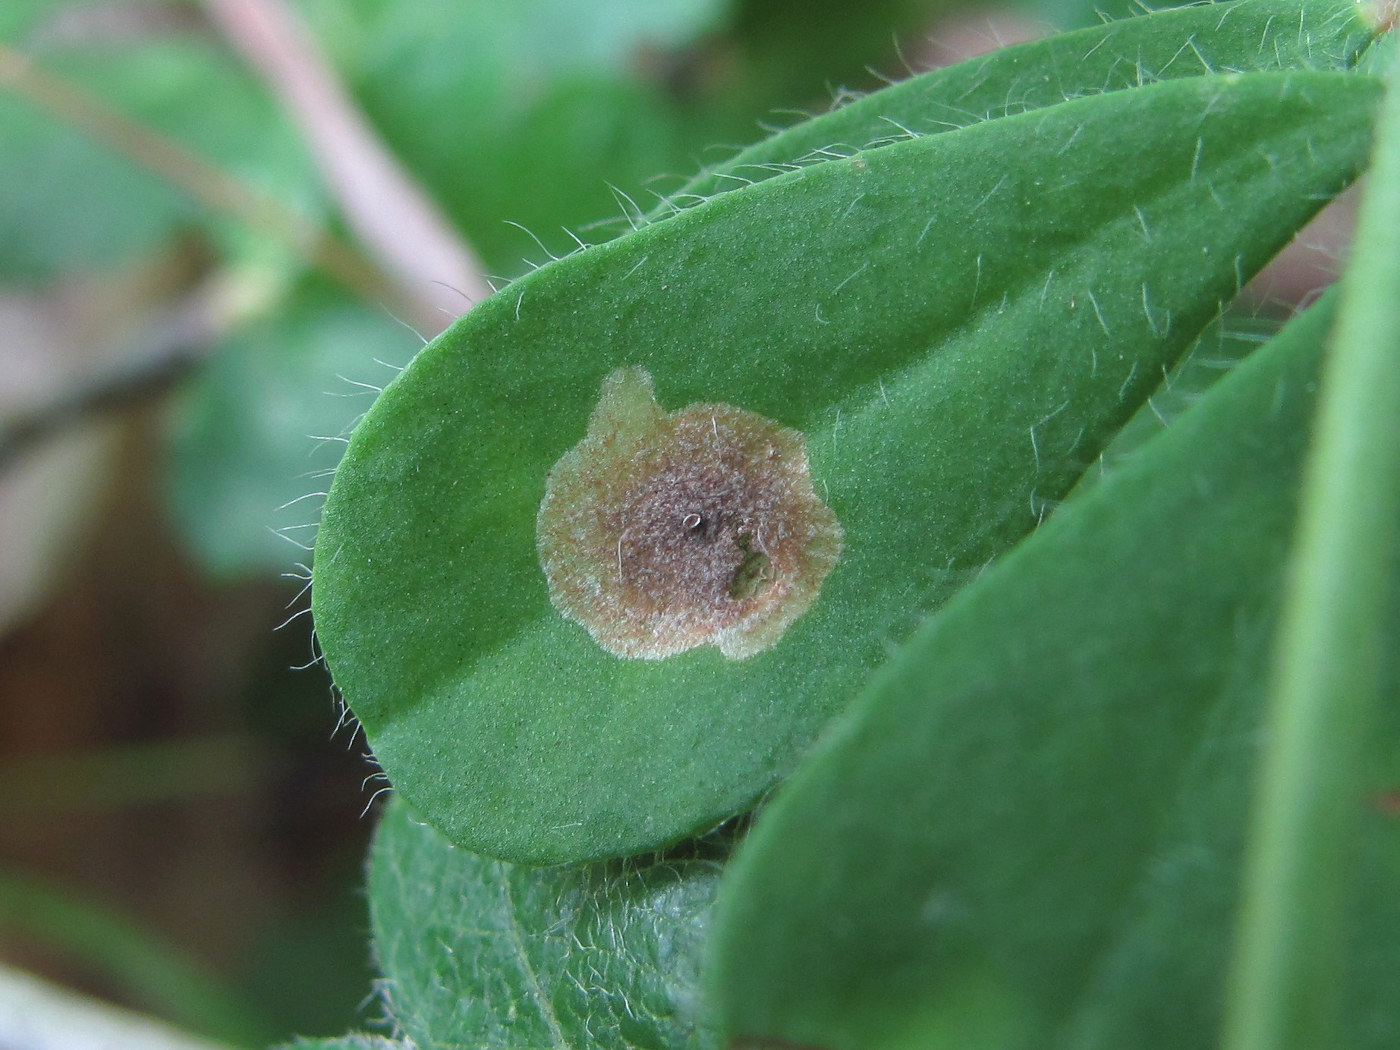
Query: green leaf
[955, 357]
[484, 954]
[69, 203]
[1245, 36]
[262, 426]
[521, 113]
[789, 52]
[19, 17]
[1333, 640]
[1239, 331]
[516, 45]
[354, 1041]
[1027, 832]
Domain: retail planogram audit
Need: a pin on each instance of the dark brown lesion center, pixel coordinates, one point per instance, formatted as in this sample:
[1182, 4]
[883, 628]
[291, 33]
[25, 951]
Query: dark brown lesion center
[753, 572]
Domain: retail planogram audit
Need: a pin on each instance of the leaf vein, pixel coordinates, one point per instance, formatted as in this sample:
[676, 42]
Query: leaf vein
[527, 969]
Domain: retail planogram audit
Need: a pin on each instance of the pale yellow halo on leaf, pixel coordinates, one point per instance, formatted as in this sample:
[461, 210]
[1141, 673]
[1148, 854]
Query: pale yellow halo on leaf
[663, 531]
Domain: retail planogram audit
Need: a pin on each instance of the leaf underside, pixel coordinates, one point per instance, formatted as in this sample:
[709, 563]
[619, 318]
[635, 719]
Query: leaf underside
[480, 953]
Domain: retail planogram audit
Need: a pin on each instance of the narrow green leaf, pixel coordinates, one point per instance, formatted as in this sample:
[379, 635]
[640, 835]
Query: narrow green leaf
[483, 954]
[1241, 36]
[955, 357]
[1332, 645]
[68, 203]
[353, 1041]
[120, 951]
[1026, 833]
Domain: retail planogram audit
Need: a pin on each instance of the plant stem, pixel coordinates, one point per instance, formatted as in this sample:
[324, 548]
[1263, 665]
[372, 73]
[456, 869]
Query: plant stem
[1290, 948]
[391, 215]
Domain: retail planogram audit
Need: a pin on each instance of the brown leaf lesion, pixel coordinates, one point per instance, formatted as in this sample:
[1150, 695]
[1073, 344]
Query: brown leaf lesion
[663, 531]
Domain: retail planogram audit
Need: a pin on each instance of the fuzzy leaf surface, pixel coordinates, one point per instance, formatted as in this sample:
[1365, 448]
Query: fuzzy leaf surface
[1242, 36]
[959, 323]
[1069, 748]
[480, 953]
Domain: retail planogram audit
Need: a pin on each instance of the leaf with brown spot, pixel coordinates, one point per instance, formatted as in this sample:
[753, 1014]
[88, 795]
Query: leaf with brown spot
[958, 323]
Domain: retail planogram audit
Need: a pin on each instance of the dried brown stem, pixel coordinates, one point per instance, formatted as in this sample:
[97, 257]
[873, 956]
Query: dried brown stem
[392, 216]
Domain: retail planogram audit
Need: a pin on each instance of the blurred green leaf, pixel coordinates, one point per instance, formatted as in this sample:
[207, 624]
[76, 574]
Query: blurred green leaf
[58, 192]
[981, 343]
[517, 45]
[483, 954]
[263, 424]
[603, 34]
[18, 17]
[547, 166]
[1028, 831]
[522, 112]
[53, 786]
[794, 52]
[116, 948]
[307, 963]
[1077, 14]
[68, 203]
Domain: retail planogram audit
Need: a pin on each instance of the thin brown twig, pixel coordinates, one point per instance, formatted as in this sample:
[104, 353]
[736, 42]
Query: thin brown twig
[199, 179]
[391, 214]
